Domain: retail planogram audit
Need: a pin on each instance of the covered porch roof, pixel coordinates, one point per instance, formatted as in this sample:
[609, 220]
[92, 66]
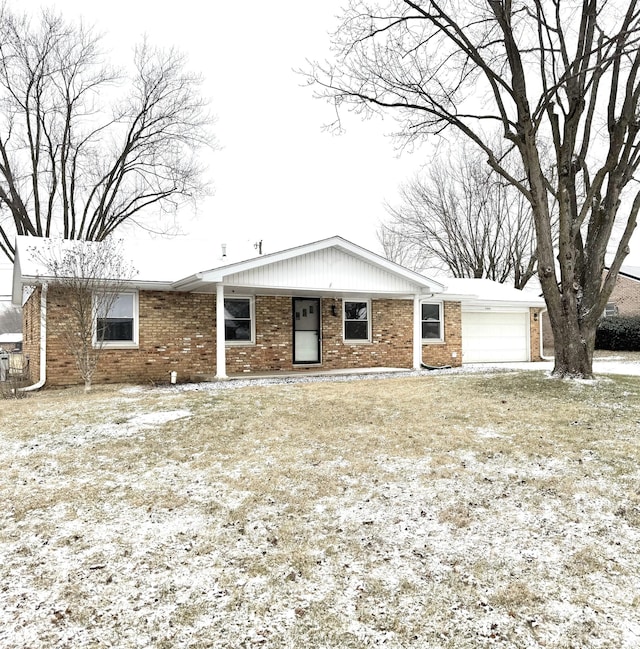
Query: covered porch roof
[331, 266]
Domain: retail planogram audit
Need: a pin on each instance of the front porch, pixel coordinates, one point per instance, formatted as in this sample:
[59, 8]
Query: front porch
[236, 376]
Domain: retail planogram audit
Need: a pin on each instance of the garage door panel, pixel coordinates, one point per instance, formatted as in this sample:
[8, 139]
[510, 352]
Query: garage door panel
[494, 337]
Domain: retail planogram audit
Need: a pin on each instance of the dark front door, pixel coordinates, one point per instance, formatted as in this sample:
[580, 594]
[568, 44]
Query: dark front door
[306, 330]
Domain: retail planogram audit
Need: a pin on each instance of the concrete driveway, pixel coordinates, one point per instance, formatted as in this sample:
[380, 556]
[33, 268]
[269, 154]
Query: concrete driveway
[604, 364]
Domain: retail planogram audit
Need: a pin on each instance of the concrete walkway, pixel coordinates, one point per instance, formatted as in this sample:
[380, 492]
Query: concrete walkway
[308, 373]
[604, 365]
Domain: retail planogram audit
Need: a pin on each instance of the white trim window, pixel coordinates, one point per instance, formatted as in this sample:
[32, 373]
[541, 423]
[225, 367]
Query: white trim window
[357, 320]
[432, 322]
[239, 321]
[116, 320]
[610, 310]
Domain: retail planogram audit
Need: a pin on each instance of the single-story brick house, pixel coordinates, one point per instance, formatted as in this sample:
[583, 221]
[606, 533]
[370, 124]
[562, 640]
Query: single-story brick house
[326, 305]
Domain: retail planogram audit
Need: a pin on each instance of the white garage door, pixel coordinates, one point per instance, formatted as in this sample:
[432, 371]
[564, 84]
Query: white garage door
[494, 337]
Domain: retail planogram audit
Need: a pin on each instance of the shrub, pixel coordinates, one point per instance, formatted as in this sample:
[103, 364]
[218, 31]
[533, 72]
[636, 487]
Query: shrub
[619, 333]
[9, 389]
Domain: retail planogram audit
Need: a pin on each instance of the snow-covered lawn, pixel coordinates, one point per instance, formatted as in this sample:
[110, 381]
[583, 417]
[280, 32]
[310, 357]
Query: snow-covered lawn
[443, 510]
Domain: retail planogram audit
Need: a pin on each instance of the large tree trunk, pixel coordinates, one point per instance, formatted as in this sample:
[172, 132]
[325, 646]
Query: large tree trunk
[563, 82]
[573, 347]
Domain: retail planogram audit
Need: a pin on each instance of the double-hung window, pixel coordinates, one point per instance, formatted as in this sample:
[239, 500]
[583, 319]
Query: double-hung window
[116, 323]
[357, 321]
[431, 316]
[238, 320]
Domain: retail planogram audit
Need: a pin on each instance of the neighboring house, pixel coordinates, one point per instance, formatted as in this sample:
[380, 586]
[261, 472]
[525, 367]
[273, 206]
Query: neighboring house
[625, 297]
[11, 342]
[624, 301]
[11, 361]
[327, 305]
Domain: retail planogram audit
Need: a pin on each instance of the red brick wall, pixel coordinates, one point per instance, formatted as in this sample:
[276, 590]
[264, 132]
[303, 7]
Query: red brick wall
[61, 368]
[184, 322]
[443, 353]
[534, 338]
[391, 338]
[31, 333]
[273, 347]
[390, 346]
[177, 332]
[626, 296]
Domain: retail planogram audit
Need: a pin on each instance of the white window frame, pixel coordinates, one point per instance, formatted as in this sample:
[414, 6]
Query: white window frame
[119, 344]
[356, 341]
[252, 315]
[611, 310]
[440, 306]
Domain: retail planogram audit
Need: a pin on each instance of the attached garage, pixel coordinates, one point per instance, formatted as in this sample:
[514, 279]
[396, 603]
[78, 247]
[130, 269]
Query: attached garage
[495, 336]
[499, 324]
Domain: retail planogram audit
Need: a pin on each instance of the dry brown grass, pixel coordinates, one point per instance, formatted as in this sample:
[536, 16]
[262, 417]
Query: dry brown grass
[441, 511]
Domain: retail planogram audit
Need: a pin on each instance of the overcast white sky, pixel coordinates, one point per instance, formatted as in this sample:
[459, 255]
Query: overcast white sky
[279, 177]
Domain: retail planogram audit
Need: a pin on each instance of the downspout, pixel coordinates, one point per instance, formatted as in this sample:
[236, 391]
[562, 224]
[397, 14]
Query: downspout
[43, 344]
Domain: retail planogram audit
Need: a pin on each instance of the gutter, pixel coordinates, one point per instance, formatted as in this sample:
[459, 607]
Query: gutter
[187, 283]
[43, 344]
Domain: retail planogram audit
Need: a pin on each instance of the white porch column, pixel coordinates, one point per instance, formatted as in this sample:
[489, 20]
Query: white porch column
[221, 358]
[417, 333]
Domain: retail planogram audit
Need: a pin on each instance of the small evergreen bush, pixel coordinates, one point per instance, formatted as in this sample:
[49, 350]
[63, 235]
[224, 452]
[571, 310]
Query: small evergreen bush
[619, 333]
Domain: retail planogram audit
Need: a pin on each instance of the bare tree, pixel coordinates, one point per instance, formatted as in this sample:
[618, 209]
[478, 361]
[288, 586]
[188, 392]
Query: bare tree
[72, 162]
[556, 76]
[463, 218]
[395, 248]
[92, 277]
[10, 320]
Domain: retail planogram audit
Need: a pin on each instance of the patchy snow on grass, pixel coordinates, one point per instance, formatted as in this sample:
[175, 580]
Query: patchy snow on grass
[151, 419]
[192, 520]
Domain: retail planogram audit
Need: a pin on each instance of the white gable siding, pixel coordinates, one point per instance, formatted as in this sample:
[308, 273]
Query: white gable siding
[324, 269]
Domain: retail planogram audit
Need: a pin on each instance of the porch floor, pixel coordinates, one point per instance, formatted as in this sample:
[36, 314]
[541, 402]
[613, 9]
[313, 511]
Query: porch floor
[247, 376]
